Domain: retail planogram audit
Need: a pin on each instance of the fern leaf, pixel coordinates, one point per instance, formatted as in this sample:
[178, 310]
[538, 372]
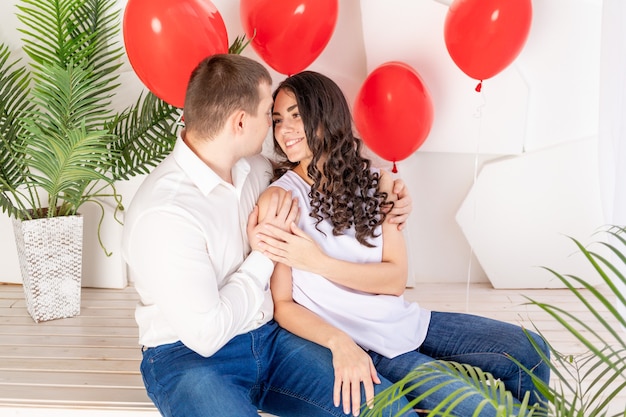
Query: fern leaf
[146, 133]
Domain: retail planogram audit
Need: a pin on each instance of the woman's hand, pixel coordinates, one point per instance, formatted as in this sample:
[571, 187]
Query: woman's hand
[353, 367]
[293, 248]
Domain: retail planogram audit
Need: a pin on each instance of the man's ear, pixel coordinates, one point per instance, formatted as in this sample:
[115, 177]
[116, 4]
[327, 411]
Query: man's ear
[236, 122]
[239, 120]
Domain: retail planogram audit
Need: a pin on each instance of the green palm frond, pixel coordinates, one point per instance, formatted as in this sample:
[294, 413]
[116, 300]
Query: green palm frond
[65, 99]
[146, 133]
[239, 44]
[60, 31]
[14, 103]
[587, 384]
[75, 33]
[64, 165]
[101, 19]
[62, 154]
[62, 142]
[59, 164]
[56, 137]
[582, 385]
[440, 374]
[46, 34]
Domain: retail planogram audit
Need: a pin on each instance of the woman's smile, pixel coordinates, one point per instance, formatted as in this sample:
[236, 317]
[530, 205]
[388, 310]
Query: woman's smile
[289, 143]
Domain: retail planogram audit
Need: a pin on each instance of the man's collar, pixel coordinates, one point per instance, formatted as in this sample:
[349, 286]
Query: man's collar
[204, 177]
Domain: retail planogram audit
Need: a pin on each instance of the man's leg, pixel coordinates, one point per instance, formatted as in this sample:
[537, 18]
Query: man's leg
[300, 379]
[182, 383]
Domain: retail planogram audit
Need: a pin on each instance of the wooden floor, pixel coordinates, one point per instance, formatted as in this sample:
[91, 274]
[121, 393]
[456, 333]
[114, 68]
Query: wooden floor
[91, 362]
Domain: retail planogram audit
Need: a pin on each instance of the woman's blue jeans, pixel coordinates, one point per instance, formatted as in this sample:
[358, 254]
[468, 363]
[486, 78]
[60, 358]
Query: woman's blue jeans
[268, 369]
[476, 341]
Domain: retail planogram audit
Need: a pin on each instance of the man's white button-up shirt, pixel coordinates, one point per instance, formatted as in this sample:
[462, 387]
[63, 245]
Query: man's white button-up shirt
[188, 254]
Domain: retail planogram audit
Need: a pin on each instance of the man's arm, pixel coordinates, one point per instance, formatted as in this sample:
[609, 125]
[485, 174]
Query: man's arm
[403, 206]
[173, 271]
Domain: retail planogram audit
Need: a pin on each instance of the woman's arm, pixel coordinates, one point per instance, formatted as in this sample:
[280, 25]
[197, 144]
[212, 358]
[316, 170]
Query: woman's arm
[298, 250]
[352, 364]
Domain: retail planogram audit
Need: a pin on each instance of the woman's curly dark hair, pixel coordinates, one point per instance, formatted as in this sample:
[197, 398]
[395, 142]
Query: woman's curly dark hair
[346, 191]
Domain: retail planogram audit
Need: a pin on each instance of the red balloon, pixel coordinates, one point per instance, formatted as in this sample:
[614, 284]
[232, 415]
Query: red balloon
[484, 36]
[393, 111]
[166, 39]
[289, 34]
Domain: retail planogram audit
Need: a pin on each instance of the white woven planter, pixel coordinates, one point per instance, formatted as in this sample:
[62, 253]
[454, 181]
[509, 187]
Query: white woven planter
[50, 252]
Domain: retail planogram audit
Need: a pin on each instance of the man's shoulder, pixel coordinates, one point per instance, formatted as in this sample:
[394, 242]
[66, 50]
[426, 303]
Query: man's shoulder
[159, 188]
[260, 172]
[259, 163]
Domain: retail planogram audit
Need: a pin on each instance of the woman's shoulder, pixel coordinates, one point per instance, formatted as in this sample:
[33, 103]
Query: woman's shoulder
[264, 199]
[269, 191]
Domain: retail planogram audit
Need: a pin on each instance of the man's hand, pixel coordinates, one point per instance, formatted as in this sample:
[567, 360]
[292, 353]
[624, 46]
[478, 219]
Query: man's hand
[280, 214]
[402, 206]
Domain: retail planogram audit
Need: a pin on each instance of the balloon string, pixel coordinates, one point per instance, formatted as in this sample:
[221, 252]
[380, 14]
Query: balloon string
[394, 169]
[479, 115]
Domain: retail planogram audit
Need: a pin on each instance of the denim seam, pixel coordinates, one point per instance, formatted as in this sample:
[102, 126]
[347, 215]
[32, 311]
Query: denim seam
[163, 392]
[532, 370]
[259, 371]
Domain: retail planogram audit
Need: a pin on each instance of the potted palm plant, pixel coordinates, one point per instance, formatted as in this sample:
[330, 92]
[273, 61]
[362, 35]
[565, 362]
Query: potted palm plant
[62, 143]
[583, 385]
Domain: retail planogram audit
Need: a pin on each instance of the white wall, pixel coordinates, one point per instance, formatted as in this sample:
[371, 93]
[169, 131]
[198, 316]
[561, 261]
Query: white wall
[613, 122]
[548, 98]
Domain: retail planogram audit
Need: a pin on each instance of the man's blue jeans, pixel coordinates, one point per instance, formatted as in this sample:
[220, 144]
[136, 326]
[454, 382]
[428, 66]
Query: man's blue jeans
[268, 369]
[476, 341]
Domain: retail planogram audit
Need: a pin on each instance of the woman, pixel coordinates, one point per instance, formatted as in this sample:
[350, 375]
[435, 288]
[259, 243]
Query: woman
[352, 302]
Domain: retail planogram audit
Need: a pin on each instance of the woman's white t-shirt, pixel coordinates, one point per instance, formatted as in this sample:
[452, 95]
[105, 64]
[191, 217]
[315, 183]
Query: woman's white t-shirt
[386, 324]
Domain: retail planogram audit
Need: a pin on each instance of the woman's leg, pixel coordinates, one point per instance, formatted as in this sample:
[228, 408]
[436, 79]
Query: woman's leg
[476, 341]
[397, 368]
[487, 344]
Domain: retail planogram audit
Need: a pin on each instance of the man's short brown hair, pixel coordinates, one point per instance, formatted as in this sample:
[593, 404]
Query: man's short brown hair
[220, 85]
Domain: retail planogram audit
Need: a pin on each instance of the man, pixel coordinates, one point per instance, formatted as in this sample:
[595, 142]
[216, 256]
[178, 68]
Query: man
[211, 347]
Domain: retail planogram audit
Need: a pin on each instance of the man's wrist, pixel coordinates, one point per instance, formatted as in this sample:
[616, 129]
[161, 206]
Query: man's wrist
[260, 267]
